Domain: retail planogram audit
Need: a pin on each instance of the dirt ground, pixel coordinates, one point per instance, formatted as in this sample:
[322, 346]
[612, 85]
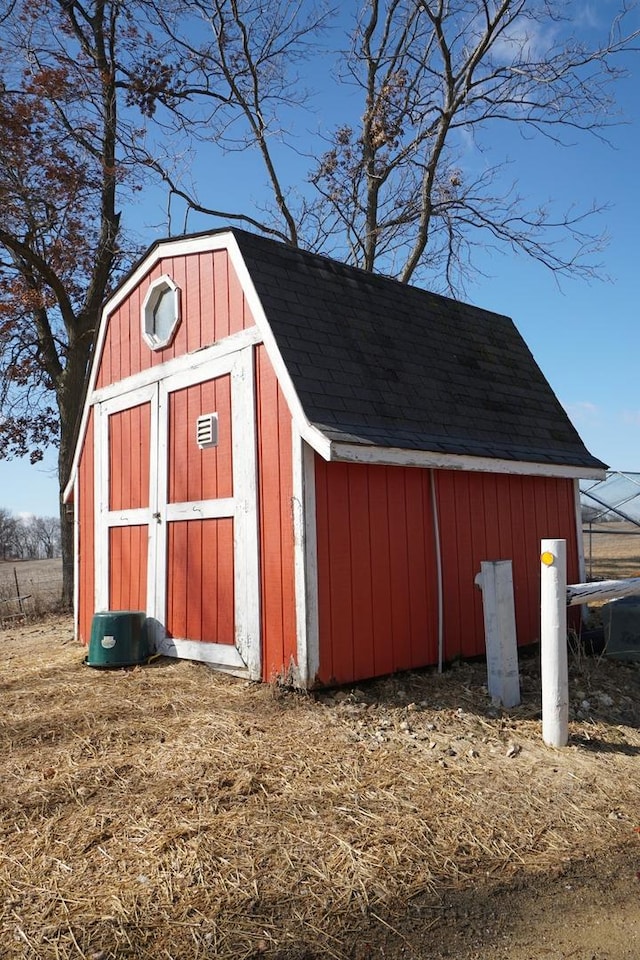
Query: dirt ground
[171, 812]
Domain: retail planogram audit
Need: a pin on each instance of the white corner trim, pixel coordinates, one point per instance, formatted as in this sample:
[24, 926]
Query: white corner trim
[246, 523]
[396, 456]
[305, 561]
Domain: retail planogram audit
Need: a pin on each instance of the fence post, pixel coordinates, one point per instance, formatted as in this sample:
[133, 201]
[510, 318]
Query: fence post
[18, 597]
[553, 643]
[503, 680]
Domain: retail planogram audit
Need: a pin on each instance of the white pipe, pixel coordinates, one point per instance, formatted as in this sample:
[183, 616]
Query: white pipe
[436, 537]
[553, 642]
[582, 572]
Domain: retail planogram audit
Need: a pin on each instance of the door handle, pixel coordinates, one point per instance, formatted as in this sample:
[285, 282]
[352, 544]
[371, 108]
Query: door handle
[156, 517]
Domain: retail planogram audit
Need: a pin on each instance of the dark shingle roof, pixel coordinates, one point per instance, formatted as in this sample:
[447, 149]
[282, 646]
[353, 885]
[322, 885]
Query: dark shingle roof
[381, 363]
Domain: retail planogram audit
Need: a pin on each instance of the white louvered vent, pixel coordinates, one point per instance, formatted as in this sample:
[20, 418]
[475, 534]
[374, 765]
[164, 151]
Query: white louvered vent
[207, 430]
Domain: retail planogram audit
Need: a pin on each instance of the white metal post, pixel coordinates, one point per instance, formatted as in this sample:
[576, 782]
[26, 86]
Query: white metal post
[553, 642]
[503, 680]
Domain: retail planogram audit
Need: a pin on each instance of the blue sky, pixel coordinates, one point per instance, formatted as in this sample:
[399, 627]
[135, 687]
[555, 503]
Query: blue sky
[584, 336]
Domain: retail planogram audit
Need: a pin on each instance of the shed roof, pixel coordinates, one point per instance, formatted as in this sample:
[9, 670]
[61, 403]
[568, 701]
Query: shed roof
[384, 364]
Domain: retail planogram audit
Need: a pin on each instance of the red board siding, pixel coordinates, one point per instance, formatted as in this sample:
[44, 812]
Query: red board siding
[129, 432]
[376, 570]
[276, 522]
[213, 306]
[195, 473]
[86, 551]
[200, 594]
[128, 567]
[498, 517]
[377, 576]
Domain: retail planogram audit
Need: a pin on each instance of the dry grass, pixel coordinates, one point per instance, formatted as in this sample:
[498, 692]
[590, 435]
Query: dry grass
[612, 550]
[38, 589]
[171, 812]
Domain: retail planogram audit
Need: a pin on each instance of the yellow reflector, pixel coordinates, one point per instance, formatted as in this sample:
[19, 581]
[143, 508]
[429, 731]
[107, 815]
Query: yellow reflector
[547, 558]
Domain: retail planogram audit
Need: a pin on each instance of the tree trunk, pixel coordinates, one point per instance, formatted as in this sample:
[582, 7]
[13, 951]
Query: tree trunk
[65, 458]
[70, 397]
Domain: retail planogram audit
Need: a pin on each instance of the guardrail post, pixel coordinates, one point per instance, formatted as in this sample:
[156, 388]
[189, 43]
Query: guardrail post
[553, 643]
[496, 581]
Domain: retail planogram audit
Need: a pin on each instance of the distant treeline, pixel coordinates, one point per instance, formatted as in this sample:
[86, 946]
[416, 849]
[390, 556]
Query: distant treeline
[28, 537]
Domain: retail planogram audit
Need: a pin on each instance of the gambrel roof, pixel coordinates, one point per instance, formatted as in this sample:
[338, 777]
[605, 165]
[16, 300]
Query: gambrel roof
[379, 371]
[384, 364]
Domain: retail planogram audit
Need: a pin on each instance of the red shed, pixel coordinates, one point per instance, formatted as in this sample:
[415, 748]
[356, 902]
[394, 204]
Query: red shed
[296, 467]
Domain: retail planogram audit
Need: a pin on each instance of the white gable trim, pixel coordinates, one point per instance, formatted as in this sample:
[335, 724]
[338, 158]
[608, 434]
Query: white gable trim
[314, 437]
[184, 247]
[395, 456]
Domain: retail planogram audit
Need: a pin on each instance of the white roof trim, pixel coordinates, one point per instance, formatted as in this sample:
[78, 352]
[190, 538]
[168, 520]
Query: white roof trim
[314, 437]
[395, 456]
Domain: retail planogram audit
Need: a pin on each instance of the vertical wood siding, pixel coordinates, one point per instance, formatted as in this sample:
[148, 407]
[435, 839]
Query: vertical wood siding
[194, 473]
[200, 553]
[200, 576]
[128, 568]
[129, 432]
[86, 570]
[376, 570]
[498, 517]
[213, 306]
[377, 582]
[276, 521]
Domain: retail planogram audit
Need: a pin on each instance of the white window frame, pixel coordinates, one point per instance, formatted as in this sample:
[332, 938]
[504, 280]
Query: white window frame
[149, 304]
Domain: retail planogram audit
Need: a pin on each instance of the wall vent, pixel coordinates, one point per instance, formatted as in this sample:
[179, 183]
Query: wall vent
[207, 430]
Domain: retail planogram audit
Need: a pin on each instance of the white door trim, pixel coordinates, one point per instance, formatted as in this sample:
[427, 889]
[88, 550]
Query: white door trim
[104, 517]
[242, 507]
[245, 657]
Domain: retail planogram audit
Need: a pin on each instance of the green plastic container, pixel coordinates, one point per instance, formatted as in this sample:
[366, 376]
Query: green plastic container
[118, 639]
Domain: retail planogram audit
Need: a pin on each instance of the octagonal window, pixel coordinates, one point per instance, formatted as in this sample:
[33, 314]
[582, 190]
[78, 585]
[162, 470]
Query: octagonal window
[161, 313]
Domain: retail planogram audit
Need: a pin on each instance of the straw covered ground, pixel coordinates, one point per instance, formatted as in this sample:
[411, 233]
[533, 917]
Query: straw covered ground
[171, 812]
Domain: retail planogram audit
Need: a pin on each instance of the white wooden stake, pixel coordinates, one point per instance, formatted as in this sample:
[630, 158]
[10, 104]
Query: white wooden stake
[503, 680]
[553, 643]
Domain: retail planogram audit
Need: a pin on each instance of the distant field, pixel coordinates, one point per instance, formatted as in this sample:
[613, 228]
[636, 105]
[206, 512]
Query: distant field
[612, 550]
[39, 586]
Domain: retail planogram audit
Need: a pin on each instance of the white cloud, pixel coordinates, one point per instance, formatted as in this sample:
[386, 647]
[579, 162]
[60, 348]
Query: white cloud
[524, 40]
[587, 15]
[583, 411]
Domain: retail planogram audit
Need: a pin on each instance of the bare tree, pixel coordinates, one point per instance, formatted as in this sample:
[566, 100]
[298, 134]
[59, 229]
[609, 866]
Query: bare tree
[237, 86]
[26, 538]
[67, 72]
[7, 534]
[434, 77]
[393, 189]
[47, 534]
